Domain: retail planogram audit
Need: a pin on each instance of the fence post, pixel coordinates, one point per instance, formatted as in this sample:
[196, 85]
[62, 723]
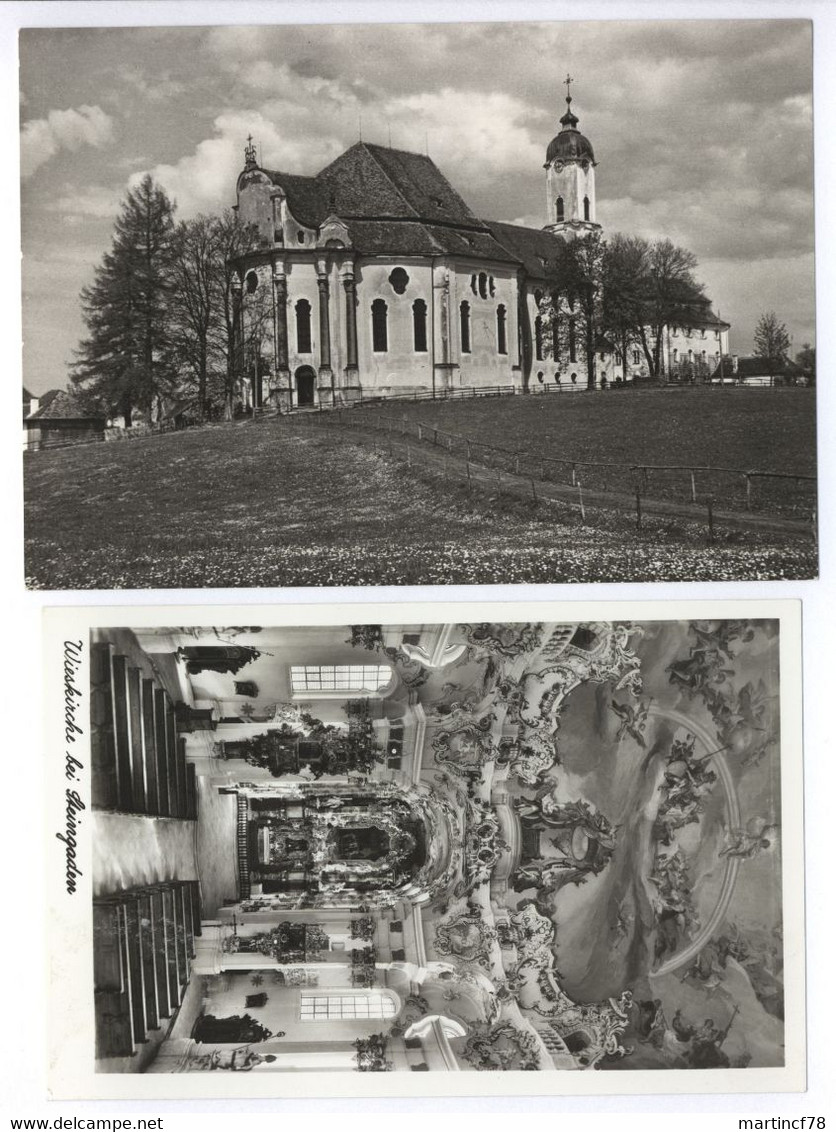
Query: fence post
[748, 493]
[516, 465]
[403, 426]
[420, 431]
[638, 510]
[580, 500]
[693, 489]
[574, 476]
[533, 490]
[710, 520]
[467, 442]
[435, 437]
[467, 469]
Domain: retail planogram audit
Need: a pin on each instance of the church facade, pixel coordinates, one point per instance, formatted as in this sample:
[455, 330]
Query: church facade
[374, 278]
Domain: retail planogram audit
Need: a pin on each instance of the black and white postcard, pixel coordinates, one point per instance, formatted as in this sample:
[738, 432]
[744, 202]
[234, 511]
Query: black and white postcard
[446, 303]
[554, 846]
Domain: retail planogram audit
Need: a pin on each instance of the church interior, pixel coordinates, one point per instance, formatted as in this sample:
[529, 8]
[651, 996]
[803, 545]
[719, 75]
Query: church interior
[445, 847]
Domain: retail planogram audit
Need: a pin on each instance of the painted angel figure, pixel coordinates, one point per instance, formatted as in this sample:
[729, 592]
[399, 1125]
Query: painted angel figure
[758, 835]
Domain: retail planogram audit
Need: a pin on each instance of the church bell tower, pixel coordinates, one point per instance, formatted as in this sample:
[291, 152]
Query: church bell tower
[570, 178]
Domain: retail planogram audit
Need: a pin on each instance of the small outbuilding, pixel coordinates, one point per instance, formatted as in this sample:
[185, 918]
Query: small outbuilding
[59, 420]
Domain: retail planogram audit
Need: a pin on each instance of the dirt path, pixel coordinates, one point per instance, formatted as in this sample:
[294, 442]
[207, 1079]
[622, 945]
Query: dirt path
[443, 463]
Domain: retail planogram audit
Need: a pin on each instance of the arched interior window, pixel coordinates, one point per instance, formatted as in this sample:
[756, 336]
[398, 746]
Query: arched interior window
[419, 326]
[348, 1005]
[464, 318]
[252, 282]
[586, 208]
[303, 326]
[325, 678]
[483, 285]
[573, 345]
[380, 334]
[501, 335]
[558, 204]
[538, 338]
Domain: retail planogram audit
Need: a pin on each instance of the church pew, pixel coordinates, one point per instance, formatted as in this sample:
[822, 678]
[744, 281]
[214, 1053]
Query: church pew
[171, 754]
[184, 948]
[140, 803]
[172, 965]
[162, 752]
[103, 777]
[150, 747]
[197, 913]
[180, 764]
[191, 792]
[155, 902]
[119, 667]
[136, 979]
[149, 973]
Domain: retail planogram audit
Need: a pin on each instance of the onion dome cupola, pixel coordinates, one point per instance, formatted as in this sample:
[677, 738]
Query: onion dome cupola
[570, 177]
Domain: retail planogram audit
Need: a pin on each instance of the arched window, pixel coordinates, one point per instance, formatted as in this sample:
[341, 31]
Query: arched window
[419, 326]
[676, 356]
[483, 285]
[380, 334]
[464, 320]
[586, 208]
[538, 338]
[303, 326]
[323, 679]
[347, 1005]
[573, 345]
[473, 284]
[558, 204]
[252, 282]
[501, 336]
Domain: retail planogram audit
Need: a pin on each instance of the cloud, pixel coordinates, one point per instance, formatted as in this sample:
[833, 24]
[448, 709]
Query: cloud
[96, 201]
[43, 138]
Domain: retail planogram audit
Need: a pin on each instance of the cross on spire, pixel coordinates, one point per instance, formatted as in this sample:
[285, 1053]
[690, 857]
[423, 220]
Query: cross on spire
[250, 157]
[567, 83]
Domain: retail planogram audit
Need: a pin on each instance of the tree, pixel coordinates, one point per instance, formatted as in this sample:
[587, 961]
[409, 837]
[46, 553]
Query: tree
[573, 302]
[232, 241]
[193, 307]
[127, 359]
[622, 311]
[806, 358]
[670, 296]
[771, 344]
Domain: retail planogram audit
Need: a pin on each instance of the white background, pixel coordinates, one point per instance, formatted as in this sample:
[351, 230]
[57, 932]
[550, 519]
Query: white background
[22, 955]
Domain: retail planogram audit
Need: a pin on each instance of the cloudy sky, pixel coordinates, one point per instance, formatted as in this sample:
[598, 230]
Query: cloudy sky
[702, 131]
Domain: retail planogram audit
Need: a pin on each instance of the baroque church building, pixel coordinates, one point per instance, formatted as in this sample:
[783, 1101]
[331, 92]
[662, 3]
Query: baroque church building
[374, 278]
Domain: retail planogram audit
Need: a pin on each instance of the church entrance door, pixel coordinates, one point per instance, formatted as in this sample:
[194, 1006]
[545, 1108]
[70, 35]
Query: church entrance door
[305, 383]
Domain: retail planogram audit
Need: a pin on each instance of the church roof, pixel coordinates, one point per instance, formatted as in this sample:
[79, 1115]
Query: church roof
[570, 144]
[394, 202]
[307, 196]
[534, 248]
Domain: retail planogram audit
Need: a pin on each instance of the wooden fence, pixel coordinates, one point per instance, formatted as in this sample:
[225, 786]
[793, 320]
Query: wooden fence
[780, 493]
